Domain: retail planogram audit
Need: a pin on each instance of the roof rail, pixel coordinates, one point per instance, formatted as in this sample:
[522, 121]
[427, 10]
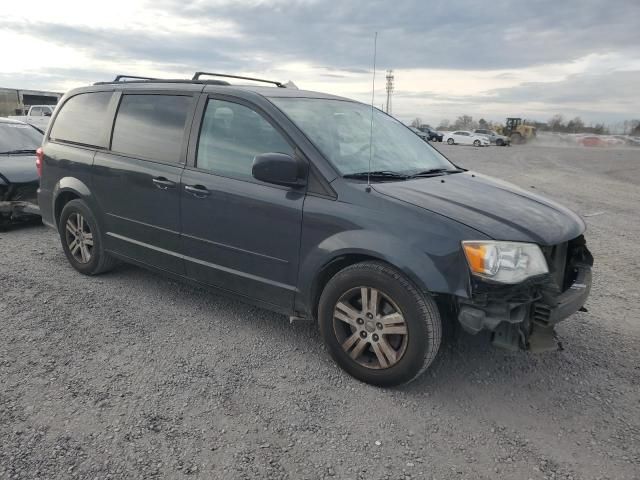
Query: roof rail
[197, 76]
[120, 77]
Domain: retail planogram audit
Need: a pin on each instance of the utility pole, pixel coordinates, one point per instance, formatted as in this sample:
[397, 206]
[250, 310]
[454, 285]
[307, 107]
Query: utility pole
[390, 80]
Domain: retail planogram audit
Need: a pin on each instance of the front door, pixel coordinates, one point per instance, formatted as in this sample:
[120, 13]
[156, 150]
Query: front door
[239, 234]
[137, 182]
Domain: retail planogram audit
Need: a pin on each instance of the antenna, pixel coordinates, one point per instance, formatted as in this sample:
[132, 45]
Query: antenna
[373, 97]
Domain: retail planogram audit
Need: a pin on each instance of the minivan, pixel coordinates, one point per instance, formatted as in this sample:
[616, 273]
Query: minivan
[312, 205]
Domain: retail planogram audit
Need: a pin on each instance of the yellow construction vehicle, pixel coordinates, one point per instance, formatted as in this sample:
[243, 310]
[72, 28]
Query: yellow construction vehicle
[517, 131]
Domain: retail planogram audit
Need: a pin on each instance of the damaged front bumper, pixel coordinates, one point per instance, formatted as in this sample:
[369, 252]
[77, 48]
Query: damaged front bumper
[11, 211]
[524, 316]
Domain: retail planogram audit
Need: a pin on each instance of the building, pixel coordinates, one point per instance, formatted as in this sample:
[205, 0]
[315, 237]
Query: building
[15, 101]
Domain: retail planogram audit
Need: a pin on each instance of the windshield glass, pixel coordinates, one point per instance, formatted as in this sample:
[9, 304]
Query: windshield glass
[18, 136]
[342, 129]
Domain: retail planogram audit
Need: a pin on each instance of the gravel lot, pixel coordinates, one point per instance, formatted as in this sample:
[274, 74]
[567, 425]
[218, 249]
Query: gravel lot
[131, 375]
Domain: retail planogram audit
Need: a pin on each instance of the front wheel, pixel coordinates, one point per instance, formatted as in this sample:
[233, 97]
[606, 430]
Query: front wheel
[476, 143]
[450, 141]
[499, 142]
[377, 326]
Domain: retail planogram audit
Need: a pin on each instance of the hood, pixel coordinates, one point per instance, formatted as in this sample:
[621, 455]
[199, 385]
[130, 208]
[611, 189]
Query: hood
[495, 208]
[19, 168]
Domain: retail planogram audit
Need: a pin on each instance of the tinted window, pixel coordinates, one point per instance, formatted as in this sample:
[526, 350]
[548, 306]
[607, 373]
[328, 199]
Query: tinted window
[151, 126]
[18, 136]
[232, 135]
[83, 119]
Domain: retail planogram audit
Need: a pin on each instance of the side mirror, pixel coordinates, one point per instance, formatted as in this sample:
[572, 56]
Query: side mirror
[279, 169]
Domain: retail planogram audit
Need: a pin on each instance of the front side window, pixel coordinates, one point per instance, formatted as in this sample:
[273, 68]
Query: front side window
[341, 130]
[83, 119]
[151, 126]
[36, 112]
[232, 135]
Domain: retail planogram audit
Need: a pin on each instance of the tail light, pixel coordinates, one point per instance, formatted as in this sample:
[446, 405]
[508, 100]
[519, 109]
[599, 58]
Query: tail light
[39, 160]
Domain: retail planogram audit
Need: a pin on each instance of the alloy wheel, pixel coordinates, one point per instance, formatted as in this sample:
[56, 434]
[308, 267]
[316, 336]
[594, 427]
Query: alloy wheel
[370, 328]
[79, 238]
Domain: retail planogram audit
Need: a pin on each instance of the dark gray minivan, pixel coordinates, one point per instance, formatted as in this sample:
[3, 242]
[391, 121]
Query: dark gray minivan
[312, 205]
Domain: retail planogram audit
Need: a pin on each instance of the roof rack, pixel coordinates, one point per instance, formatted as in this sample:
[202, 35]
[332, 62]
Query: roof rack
[199, 74]
[120, 77]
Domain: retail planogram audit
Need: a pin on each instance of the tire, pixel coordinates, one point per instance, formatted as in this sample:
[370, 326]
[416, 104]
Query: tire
[499, 142]
[476, 143]
[355, 336]
[516, 139]
[87, 258]
[450, 141]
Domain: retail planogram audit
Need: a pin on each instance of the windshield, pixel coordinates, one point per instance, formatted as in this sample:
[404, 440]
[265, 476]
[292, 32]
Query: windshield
[342, 129]
[16, 137]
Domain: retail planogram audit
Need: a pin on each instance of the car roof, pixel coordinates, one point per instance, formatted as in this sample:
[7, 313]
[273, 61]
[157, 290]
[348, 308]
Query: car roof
[210, 87]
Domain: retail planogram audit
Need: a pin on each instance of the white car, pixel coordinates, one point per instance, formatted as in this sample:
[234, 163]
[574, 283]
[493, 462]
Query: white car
[38, 116]
[463, 137]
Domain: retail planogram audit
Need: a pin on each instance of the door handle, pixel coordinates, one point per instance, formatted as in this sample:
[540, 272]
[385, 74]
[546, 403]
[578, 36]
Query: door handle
[162, 183]
[197, 190]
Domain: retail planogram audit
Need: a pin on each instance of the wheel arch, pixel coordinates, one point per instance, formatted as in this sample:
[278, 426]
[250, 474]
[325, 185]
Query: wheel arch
[67, 189]
[417, 266]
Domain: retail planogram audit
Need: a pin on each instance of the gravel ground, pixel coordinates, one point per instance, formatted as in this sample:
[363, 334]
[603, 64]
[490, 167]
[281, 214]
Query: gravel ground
[131, 375]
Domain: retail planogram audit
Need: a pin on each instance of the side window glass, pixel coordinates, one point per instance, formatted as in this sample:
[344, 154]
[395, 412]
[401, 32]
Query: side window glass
[232, 135]
[151, 126]
[83, 119]
[36, 112]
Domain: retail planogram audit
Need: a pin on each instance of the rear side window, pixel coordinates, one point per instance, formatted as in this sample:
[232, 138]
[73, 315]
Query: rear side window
[232, 135]
[151, 126]
[83, 120]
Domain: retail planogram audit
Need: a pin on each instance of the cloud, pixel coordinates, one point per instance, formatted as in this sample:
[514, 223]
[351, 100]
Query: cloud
[500, 56]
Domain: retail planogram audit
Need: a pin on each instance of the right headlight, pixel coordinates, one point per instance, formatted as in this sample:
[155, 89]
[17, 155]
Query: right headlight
[504, 262]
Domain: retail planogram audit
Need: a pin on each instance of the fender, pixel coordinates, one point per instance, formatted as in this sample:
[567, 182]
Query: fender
[79, 189]
[430, 271]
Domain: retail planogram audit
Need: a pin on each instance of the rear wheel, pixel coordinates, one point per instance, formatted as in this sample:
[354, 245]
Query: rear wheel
[81, 239]
[499, 142]
[516, 138]
[377, 326]
[450, 141]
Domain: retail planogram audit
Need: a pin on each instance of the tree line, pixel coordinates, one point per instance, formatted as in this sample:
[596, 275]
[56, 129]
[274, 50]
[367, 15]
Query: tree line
[557, 123]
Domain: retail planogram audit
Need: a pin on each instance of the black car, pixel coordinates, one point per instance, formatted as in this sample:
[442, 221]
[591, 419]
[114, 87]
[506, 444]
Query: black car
[432, 135]
[291, 200]
[18, 172]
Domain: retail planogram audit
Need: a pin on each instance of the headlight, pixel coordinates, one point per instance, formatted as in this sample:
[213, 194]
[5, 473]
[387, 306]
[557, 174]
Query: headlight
[504, 262]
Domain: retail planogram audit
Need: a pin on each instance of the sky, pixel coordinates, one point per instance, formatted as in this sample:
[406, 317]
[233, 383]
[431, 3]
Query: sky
[531, 59]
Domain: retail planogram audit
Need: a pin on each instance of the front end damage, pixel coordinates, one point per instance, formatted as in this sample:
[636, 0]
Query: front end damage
[18, 202]
[523, 316]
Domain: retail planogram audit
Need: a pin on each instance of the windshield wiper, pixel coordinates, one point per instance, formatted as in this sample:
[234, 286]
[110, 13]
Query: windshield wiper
[15, 152]
[436, 171]
[378, 174]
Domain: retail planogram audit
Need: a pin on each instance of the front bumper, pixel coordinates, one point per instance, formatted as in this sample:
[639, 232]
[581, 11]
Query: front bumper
[524, 316]
[18, 209]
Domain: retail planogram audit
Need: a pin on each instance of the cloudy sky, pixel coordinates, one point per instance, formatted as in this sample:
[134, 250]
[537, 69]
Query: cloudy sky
[487, 59]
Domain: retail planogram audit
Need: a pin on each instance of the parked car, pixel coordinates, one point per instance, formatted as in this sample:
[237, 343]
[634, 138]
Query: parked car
[424, 136]
[462, 137]
[591, 141]
[433, 135]
[255, 192]
[495, 138]
[37, 115]
[18, 174]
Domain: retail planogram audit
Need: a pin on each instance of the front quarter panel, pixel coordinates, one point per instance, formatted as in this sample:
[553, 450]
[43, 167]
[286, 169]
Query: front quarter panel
[423, 245]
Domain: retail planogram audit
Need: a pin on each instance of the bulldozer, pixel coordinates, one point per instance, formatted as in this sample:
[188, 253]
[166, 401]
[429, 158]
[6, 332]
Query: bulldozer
[516, 129]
